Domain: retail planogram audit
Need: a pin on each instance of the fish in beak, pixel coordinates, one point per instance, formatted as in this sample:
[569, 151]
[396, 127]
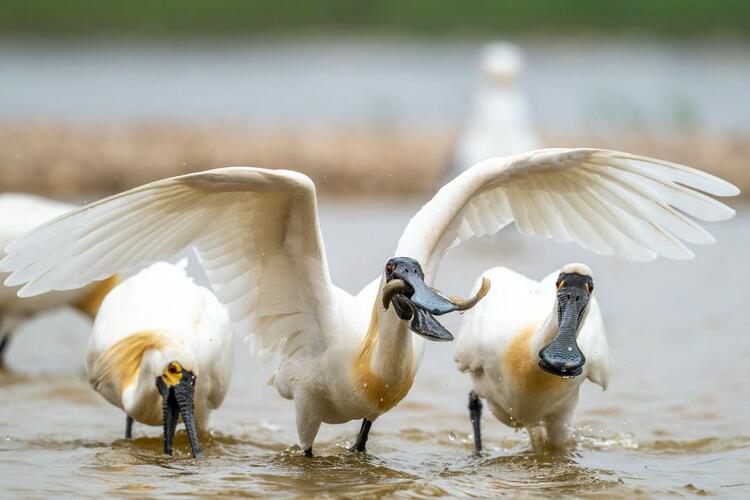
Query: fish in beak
[414, 300]
[177, 389]
[562, 357]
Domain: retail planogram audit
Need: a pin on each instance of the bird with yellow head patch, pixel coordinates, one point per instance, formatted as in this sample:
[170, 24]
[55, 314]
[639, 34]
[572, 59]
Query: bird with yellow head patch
[160, 350]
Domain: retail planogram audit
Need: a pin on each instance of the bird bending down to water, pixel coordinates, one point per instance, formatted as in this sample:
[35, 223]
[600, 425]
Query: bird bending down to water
[20, 213]
[160, 349]
[256, 234]
[347, 357]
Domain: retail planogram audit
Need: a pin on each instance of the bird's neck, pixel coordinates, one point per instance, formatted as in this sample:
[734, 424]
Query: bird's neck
[386, 362]
[142, 397]
[131, 365]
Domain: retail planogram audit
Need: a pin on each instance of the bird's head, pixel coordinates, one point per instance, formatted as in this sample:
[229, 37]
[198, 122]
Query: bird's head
[176, 384]
[562, 356]
[414, 300]
[501, 63]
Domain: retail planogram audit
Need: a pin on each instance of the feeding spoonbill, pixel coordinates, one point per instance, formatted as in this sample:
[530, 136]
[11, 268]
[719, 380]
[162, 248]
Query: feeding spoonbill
[19, 213]
[347, 357]
[256, 234]
[530, 346]
[160, 349]
[500, 122]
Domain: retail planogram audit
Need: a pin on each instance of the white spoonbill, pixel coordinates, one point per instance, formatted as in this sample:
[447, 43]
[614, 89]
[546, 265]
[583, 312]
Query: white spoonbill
[20, 213]
[160, 349]
[347, 357]
[529, 360]
[256, 233]
[500, 122]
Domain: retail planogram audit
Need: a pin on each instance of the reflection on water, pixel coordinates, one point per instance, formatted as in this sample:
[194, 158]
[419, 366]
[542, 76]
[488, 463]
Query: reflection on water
[674, 421]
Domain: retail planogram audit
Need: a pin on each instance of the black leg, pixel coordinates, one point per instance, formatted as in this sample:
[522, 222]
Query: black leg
[475, 413]
[364, 432]
[3, 346]
[129, 427]
[308, 452]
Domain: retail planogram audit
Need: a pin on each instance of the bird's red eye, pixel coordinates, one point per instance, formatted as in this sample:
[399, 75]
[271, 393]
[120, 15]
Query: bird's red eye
[389, 269]
[589, 287]
[173, 368]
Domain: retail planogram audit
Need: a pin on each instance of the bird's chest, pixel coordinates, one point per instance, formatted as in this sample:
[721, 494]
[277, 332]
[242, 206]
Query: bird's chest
[382, 394]
[529, 393]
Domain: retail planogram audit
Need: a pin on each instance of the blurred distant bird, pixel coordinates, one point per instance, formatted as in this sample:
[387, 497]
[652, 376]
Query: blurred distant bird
[160, 349]
[19, 213]
[346, 357]
[500, 122]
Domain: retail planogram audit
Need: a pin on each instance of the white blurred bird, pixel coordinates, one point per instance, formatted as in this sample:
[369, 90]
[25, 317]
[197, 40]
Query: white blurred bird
[160, 349]
[345, 357]
[19, 213]
[500, 122]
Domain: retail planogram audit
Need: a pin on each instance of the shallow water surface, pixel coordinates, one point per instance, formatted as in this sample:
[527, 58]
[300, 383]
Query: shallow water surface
[673, 422]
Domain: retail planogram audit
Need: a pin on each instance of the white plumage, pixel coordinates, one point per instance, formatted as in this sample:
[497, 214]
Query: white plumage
[257, 235]
[499, 346]
[157, 317]
[500, 122]
[20, 213]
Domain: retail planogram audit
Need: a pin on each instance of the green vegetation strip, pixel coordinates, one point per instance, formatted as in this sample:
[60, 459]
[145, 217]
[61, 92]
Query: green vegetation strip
[250, 17]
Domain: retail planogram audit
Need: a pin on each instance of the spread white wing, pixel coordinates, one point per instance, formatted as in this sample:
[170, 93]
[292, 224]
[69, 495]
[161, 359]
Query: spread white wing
[255, 231]
[610, 202]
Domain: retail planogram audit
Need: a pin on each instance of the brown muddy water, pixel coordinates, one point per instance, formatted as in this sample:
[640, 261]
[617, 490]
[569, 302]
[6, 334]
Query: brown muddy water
[674, 422]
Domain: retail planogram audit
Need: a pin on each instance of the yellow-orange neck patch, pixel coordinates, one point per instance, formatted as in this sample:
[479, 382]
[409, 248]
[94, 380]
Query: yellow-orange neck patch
[525, 374]
[120, 364]
[91, 303]
[383, 396]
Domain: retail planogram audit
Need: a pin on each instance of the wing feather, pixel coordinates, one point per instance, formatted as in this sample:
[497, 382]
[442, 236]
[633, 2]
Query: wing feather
[255, 232]
[610, 202]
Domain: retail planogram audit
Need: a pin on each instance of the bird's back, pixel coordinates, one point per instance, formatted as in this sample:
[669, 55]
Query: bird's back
[513, 303]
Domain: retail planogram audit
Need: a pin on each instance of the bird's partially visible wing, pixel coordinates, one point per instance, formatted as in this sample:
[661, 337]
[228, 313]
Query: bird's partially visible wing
[610, 202]
[255, 231]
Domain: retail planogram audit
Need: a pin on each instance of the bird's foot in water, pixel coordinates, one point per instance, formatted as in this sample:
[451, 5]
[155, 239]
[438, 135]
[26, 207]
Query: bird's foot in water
[308, 452]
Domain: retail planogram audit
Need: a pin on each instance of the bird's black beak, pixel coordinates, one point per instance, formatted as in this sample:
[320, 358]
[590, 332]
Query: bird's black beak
[562, 357]
[414, 300]
[178, 401]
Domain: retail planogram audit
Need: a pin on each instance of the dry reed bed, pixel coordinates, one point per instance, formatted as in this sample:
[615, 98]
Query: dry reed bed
[76, 161]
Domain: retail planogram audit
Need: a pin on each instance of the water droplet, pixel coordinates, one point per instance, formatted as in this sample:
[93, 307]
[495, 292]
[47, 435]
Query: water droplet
[381, 400]
[387, 386]
[570, 348]
[452, 436]
[364, 385]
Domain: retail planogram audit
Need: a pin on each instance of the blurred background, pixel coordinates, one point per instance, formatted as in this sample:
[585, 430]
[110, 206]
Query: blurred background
[380, 102]
[98, 96]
